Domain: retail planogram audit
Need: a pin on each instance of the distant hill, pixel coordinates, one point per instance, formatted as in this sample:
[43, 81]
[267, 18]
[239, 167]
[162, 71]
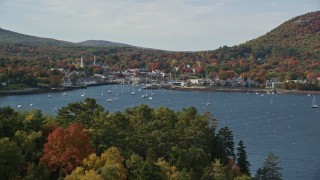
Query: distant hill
[100, 43]
[292, 38]
[290, 51]
[10, 37]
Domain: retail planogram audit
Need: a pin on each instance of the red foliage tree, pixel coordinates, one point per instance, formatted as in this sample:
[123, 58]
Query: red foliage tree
[66, 148]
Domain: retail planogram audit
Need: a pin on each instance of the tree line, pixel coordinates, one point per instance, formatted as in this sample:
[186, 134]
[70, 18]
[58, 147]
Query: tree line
[83, 141]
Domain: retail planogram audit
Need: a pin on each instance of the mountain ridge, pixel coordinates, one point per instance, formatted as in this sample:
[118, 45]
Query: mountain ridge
[301, 32]
[11, 37]
[102, 43]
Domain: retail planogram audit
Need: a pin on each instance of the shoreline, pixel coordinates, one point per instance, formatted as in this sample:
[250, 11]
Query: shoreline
[44, 89]
[239, 89]
[31, 91]
[28, 91]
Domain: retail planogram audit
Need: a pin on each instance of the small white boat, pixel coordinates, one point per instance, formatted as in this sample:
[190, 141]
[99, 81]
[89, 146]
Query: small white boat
[209, 97]
[31, 101]
[314, 105]
[150, 97]
[143, 96]
[83, 93]
[64, 94]
[49, 96]
[19, 105]
[132, 89]
[109, 100]
[109, 91]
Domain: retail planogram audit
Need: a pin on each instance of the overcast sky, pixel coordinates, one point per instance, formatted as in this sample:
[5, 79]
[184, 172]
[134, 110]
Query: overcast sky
[182, 25]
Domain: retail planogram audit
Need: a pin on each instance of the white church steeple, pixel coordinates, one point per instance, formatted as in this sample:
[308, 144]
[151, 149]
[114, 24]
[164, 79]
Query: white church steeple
[81, 64]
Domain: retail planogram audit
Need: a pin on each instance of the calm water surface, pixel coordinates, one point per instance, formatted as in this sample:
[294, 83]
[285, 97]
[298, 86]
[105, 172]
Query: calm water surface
[283, 123]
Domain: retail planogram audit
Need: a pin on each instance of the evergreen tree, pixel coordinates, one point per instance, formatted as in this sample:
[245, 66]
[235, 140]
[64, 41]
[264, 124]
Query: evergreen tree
[225, 140]
[10, 158]
[81, 112]
[242, 160]
[141, 169]
[10, 122]
[259, 174]
[34, 120]
[271, 170]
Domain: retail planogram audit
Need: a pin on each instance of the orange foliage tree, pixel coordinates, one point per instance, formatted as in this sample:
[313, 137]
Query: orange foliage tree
[66, 148]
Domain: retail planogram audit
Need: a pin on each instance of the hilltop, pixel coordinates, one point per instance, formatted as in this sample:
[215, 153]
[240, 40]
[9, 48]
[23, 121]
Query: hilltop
[295, 37]
[10, 37]
[290, 51]
[100, 43]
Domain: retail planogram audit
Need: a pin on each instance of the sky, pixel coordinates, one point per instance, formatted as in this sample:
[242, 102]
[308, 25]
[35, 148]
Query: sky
[176, 25]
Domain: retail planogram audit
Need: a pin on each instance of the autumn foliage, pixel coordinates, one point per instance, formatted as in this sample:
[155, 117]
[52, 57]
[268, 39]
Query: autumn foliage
[66, 148]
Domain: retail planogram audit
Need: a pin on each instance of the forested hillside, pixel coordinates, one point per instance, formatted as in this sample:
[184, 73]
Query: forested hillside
[9, 37]
[290, 51]
[85, 142]
[99, 43]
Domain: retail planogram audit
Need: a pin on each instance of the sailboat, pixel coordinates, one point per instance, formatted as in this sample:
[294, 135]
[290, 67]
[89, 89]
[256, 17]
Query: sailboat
[152, 93]
[132, 89]
[314, 105]
[83, 93]
[122, 84]
[31, 101]
[271, 101]
[209, 96]
[145, 95]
